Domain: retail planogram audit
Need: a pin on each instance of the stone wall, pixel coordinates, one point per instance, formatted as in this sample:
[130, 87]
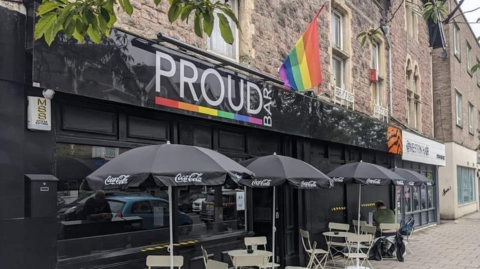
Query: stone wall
[452, 75]
[270, 29]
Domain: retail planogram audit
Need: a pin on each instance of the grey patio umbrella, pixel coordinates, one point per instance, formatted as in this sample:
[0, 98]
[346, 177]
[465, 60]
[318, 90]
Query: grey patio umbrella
[275, 170]
[365, 174]
[166, 165]
[413, 178]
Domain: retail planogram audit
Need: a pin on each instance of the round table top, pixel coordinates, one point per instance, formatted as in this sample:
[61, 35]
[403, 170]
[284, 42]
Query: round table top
[243, 252]
[338, 234]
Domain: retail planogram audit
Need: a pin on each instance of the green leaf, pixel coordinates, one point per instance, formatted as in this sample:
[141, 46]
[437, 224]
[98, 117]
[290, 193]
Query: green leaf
[174, 11]
[69, 29]
[157, 2]
[475, 68]
[102, 26]
[113, 19]
[105, 14]
[186, 12]
[225, 29]
[79, 26]
[78, 36]
[361, 35]
[46, 7]
[94, 34]
[364, 39]
[232, 16]
[208, 26]
[128, 7]
[198, 24]
[44, 23]
[50, 34]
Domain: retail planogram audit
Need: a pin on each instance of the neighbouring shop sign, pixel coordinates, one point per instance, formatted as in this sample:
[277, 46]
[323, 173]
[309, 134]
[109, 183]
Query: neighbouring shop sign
[131, 70]
[39, 114]
[422, 150]
[240, 201]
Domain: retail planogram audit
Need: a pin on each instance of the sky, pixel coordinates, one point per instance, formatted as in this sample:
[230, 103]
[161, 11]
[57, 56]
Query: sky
[472, 16]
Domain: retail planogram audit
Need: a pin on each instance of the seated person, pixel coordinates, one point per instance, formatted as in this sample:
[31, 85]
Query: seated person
[383, 215]
[97, 208]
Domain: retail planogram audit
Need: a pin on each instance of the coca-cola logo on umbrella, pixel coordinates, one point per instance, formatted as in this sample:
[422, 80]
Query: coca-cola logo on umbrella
[262, 183]
[338, 179]
[120, 180]
[400, 182]
[308, 184]
[374, 181]
[193, 177]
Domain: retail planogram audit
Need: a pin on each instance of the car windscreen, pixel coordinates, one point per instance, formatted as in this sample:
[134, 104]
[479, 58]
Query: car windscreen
[116, 206]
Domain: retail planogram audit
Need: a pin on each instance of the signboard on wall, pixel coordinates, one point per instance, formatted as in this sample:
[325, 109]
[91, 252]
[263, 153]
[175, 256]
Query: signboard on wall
[240, 201]
[395, 143]
[422, 150]
[39, 114]
[130, 70]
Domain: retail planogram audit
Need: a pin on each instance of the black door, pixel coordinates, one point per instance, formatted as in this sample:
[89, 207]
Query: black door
[287, 230]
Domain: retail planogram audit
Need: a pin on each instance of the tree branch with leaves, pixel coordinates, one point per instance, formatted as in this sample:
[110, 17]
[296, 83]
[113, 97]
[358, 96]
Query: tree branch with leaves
[95, 18]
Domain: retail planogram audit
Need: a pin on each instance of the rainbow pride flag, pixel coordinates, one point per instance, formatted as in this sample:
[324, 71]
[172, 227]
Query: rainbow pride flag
[301, 69]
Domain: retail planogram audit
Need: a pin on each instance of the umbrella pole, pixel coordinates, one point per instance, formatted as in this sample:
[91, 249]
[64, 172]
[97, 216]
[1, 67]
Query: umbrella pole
[170, 205]
[273, 229]
[245, 209]
[359, 214]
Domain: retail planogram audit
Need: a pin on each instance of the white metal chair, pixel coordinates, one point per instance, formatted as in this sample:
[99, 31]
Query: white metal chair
[254, 242]
[355, 224]
[212, 264]
[353, 253]
[205, 256]
[336, 247]
[164, 261]
[388, 228]
[368, 230]
[248, 262]
[316, 255]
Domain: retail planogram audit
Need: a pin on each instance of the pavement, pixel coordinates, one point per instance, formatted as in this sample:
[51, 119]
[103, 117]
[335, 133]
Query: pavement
[445, 246]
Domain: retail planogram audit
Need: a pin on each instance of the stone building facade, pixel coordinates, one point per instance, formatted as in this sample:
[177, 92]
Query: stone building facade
[457, 116]
[270, 29]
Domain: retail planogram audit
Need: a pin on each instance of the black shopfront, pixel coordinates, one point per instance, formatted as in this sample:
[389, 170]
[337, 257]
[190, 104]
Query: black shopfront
[129, 92]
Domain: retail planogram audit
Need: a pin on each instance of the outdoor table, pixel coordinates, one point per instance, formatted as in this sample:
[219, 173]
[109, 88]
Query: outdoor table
[336, 235]
[243, 254]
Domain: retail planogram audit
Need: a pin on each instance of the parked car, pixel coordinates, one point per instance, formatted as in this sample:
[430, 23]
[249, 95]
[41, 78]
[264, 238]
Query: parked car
[153, 211]
[185, 202]
[207, 215]
[74, 210]
[197, 205]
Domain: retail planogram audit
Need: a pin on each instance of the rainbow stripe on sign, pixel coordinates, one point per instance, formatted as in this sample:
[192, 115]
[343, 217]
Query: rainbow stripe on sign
[205, 110]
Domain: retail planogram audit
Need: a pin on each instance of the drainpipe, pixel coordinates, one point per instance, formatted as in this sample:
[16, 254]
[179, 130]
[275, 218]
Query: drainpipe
[390, 80]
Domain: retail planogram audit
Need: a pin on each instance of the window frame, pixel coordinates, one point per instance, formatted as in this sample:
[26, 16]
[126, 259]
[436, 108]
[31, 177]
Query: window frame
[456, 41]
[339, 16]
[470, 175]
[458, 110]
[471, 128]
[469, 59]
[235, 45]
[478, 73]
[342, 71]
[376, 65]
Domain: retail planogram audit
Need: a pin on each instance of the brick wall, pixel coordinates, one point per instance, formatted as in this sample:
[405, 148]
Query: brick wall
[416, 49]
[271, 29]
[450, 75]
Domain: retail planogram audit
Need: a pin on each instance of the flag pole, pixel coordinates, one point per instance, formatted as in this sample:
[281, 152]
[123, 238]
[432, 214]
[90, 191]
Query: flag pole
[320, 10]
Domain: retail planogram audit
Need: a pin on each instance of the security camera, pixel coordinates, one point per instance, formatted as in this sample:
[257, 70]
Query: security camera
[48, 93]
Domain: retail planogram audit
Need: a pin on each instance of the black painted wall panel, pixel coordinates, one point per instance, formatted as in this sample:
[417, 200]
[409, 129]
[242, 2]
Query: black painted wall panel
[12, 57]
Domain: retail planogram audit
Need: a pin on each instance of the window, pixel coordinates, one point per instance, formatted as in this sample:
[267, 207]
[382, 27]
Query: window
[465, 185]
[413, 97]
[469, 59]
[338, 72]
[478, 73]
[408, 199]
[144, 211]
[412, 17]
[337, 32]
[470, 119]
[458, 109]
[456, 40]
[478, 121]
[216, 43]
